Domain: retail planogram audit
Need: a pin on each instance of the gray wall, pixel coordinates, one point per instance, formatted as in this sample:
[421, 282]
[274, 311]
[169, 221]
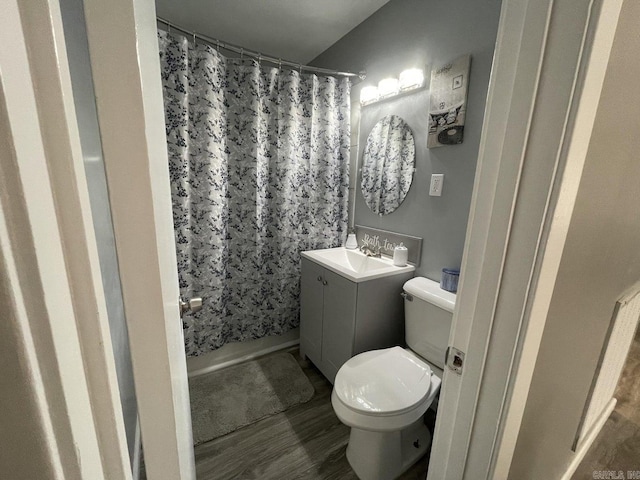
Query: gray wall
[601, 259]
[84, 100]
[422, 33]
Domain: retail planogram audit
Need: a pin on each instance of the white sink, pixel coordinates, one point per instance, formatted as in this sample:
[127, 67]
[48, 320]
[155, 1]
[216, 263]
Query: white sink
[355, 265]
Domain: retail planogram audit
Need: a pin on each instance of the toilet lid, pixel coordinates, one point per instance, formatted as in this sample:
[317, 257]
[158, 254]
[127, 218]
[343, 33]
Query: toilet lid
[383, 382]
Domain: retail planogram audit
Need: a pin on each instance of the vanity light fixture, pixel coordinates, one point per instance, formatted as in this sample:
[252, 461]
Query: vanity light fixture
[368, 95]
[411, 78]
[388, 87]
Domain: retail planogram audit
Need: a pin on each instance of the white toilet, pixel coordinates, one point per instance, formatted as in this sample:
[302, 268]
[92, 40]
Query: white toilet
[383, 394]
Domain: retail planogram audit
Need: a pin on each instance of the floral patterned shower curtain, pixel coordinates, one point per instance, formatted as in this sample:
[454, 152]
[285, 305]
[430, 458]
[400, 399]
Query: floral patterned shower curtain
[259, 167]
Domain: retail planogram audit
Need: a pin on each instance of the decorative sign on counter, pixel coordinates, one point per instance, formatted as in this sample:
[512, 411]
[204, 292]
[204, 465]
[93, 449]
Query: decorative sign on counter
[448, 102]
[386, 242]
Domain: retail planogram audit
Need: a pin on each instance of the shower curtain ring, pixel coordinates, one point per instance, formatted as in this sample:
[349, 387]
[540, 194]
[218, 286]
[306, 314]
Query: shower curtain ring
[259, 58]
[194, 39]
[279, 64]
[242, 54]
[218, 46]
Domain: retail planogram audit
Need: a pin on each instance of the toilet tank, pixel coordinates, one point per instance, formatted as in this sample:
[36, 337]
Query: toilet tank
[428, 311]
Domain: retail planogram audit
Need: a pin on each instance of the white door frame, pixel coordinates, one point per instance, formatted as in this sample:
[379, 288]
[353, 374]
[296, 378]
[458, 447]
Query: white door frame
[545, 85]
[51, 291]
[123, 48]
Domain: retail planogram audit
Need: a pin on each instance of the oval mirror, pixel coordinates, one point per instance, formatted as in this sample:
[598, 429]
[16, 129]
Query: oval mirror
[388, 164]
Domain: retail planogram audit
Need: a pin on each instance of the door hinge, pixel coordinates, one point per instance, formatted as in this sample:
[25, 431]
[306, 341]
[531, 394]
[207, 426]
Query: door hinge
[454, 359]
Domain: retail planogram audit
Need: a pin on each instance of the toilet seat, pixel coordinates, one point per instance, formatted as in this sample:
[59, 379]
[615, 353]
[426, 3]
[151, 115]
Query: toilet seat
[383, 382]
[384, 390]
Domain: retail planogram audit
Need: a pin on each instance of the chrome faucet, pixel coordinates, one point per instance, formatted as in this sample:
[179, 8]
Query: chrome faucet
[370, 251]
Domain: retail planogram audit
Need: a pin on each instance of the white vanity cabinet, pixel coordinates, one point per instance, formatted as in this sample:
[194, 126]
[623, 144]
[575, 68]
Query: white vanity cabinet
[340, 318]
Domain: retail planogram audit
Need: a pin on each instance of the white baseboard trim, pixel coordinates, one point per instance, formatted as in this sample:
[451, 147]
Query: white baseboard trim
[586, 443]
[233, 354]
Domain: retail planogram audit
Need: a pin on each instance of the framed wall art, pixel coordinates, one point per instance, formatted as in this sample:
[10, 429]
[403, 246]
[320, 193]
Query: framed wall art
[447, 108]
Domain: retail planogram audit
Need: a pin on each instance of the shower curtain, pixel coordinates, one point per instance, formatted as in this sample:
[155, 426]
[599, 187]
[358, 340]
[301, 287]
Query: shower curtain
[259, 168]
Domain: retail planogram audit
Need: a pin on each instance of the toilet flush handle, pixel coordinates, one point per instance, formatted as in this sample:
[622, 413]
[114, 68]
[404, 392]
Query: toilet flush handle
[407, 296]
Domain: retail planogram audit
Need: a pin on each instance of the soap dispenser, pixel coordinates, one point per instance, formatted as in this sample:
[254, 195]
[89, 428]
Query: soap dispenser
[352, 242]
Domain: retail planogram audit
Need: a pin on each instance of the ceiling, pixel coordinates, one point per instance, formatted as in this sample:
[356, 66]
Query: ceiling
[295, 30]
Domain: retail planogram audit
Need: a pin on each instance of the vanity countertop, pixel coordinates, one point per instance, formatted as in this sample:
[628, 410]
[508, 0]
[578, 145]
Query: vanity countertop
[355, 265]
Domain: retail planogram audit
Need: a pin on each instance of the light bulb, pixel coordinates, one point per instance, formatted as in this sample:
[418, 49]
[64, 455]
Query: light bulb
[388, 87]
[411, 78]
[368, 94]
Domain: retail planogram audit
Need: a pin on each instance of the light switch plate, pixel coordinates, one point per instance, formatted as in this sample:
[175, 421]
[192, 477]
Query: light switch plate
[435, 189]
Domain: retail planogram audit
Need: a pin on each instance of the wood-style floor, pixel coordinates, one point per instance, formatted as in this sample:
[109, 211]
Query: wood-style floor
[305, 442]
[309, 442]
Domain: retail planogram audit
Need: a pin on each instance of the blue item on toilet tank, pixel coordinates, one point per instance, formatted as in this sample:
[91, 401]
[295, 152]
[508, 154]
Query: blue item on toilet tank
[449, 279]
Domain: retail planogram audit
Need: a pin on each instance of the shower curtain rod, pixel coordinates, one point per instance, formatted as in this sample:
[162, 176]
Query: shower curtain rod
[214, 42]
